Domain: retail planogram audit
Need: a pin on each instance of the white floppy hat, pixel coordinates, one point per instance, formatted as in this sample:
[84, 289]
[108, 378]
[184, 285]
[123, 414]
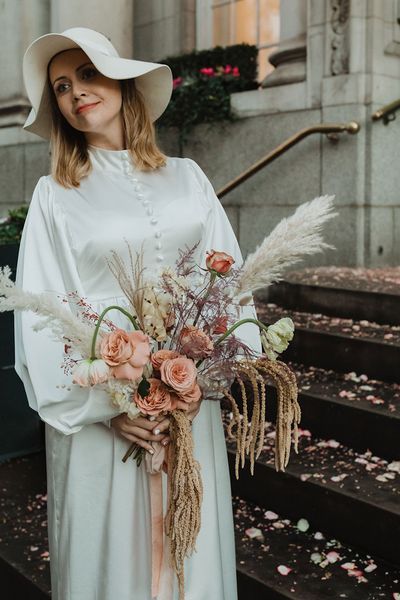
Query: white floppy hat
[154, 80]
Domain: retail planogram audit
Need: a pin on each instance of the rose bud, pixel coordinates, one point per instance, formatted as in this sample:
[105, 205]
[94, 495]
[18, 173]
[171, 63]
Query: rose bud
[219, 262]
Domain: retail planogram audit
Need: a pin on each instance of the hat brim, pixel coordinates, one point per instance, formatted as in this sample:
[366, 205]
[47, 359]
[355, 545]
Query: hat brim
[153, 80]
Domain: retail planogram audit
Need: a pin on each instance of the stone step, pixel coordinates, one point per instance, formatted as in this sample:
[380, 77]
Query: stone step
[332, 343]
[320, 565]
[334, 301]
[332, 403]
[24, 558]
[352, 496]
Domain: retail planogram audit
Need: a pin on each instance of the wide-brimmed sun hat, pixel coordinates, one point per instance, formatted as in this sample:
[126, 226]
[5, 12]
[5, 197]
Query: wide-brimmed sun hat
[153, 80]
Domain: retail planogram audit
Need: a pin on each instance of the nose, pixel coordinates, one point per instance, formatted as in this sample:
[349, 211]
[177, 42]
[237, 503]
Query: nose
[78, 89]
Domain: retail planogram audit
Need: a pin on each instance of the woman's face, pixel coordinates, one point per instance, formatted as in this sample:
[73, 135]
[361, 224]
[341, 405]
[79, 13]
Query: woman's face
[88, 100]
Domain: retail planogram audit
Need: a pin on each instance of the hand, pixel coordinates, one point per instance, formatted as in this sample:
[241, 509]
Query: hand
[141, 430]
[191, 409]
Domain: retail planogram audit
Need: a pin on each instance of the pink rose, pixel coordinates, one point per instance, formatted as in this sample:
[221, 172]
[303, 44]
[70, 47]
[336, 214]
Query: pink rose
[195, 343]
[158, 357]
[158, 399]
[179, 373]
[219, 262]
[126, 353]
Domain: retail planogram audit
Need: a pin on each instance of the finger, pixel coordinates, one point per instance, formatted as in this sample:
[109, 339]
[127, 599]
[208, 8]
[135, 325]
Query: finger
[140, 442]
[166, 441]
[161, 426]
[144, 434]
[142, 422]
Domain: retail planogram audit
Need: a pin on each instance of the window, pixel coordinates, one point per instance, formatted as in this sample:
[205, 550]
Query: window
[227, 22]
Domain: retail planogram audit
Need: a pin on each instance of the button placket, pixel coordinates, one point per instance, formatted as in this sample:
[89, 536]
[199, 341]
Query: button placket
[130, 173]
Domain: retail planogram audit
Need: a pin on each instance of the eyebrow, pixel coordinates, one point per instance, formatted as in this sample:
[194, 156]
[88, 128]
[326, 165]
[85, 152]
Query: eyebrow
[76, 70]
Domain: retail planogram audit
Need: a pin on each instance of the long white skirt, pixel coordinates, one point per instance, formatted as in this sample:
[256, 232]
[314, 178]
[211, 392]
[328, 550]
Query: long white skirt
[99, 516]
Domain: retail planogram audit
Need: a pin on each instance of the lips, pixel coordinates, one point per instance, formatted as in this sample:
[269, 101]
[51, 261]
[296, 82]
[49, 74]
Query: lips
[85, 107]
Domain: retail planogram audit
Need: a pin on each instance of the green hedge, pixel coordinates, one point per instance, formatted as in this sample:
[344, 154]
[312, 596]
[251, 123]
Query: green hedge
[203, 82]
[12, 225]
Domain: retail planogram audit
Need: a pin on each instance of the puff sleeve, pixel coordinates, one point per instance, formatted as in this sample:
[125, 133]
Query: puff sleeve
[220, 236]
[46, 264]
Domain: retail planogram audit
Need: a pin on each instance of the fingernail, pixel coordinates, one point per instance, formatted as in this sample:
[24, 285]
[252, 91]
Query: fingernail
[165, 442]
[156, 431]
[151, 450]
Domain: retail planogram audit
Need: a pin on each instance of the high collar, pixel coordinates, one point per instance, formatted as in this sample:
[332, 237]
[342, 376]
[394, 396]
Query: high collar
[111, 160]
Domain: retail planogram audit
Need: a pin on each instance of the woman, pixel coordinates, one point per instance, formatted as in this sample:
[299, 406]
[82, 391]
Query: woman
[109, 183]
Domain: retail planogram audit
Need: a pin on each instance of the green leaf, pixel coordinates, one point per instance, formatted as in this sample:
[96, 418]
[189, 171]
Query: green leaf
[144, 388]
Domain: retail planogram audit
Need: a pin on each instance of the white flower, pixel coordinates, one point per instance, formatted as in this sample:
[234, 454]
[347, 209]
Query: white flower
[276, 339]
[90, 372]
[157, 316]
[133, 410]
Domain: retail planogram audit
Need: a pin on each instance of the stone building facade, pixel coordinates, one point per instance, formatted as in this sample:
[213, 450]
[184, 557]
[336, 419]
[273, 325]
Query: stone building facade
[334, 61]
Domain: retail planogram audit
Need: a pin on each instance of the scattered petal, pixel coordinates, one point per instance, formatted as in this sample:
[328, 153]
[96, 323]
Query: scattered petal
[254, 533]
[303, 525]
[269, 514]
[394, 466]
[332, 557]
[337, 478]
[348, 566]
[283, 570]
[370, 568]
[316, 558]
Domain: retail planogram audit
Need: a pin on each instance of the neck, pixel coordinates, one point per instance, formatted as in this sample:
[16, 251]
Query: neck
[108, 139]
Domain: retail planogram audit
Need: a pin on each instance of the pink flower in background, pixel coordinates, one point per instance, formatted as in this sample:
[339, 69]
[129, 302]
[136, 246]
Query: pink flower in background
[235, 71]
[158, 399]
[207, 71]
[195, 343]
[158, 357]
[227, 69]
[177, 82]
[126, 353]
[179, 373]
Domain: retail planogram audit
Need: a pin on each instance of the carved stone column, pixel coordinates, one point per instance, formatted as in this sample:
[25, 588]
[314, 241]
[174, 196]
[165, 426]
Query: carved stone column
[290, 59]
[339, 36]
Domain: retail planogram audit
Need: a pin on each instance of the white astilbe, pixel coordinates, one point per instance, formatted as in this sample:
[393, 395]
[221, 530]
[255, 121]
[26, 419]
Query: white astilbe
[62, 323]
[291, 239]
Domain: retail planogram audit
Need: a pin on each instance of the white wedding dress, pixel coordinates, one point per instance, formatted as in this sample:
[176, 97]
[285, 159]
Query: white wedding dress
[98, 506]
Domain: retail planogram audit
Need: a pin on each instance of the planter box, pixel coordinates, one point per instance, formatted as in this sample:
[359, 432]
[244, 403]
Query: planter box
[21, 430]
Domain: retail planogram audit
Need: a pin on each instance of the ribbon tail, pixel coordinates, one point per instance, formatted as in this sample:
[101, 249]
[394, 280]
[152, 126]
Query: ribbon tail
[156, 531]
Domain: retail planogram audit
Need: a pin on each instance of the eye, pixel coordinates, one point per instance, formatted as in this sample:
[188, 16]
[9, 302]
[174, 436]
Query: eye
[89, 72]
[60, 88]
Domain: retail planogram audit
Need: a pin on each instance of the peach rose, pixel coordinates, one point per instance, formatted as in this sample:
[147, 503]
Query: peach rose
[126, 353]
[158, 399]
[195, 343]
[192, 395]
[158, 357]
[219, 262]
[179, 373]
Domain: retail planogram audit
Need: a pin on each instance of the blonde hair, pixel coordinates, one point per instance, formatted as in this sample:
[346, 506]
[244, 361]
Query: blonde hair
[70, 161]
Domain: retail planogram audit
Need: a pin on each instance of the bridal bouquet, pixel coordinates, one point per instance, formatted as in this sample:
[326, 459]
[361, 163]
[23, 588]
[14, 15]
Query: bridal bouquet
[181, 345]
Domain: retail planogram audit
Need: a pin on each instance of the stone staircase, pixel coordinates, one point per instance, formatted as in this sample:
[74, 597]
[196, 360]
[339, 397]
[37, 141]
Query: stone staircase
[326, 528]
[329, 526]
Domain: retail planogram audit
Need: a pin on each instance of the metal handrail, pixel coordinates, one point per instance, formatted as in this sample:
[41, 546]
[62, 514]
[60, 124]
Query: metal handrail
[330, 129]
[387, 113]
